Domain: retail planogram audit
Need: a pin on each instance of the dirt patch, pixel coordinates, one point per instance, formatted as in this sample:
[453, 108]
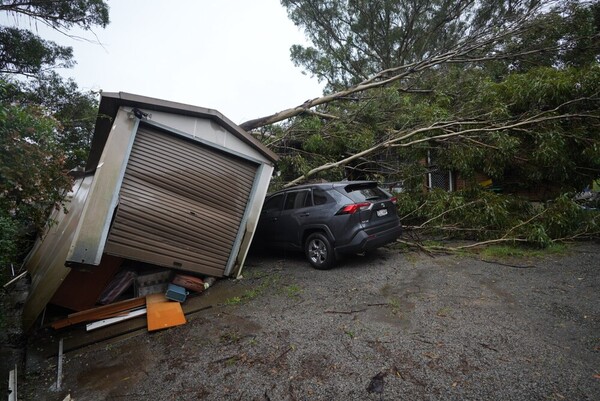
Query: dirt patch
[430, 328]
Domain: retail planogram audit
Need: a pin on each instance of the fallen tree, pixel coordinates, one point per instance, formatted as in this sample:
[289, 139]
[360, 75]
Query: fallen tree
[518, 105]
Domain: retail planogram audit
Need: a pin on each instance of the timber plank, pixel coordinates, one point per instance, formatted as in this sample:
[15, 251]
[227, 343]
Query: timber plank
[99, 313]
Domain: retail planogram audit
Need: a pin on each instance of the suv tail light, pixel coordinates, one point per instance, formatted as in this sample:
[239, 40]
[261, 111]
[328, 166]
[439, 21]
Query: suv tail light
[394, 200]
[355, 207]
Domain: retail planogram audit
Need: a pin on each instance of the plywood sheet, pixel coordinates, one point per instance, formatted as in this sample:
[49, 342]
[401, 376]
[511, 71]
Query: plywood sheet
[80, 289]
[162, 313]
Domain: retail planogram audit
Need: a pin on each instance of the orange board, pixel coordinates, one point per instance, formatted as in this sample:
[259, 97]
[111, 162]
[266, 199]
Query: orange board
[162, 313]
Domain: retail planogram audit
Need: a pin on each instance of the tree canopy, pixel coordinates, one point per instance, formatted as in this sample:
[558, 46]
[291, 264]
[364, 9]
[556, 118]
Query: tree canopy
[24, 52]
[353, 39]
[501, 93]
[46, 122]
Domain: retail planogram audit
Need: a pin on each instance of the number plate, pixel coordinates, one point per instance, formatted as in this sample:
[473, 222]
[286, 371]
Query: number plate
[381, 212]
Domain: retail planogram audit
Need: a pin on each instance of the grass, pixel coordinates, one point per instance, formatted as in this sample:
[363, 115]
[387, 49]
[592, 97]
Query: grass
[293, 291]
[395, 305]
[444, 312]
[230, 338]
[231, 361]
[266, 282]
[233, 301]
[514, 251]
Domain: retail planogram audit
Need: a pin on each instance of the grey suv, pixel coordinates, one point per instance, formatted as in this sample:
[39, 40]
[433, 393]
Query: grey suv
[329, 219]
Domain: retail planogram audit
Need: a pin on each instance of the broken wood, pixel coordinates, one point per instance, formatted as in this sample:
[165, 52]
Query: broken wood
[117, 286]
[116, 319]
[14, 279]
[81, 289]
[99, 313]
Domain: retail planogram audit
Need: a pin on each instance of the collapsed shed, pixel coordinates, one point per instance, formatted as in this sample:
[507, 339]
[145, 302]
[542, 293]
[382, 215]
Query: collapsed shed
[166, 184]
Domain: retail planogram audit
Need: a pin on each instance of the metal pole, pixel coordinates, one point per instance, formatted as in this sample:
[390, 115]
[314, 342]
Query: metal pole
[60, 365]
[12, 385]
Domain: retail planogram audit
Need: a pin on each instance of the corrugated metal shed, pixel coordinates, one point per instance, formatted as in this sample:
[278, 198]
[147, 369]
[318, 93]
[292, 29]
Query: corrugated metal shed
[169, 184]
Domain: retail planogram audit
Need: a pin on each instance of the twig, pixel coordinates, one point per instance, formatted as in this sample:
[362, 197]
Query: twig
[282, 354]
[525, 222]
[224, 359]
[477, 244]
[414, 211]
[345, 312]
[14, 279]
[348, 349]
[484, 345]
[416, 245]
[450, 210]
[495, 262]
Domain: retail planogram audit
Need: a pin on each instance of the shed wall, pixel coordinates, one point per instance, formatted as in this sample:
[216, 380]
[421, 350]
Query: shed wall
[181, 204]
[204, 129]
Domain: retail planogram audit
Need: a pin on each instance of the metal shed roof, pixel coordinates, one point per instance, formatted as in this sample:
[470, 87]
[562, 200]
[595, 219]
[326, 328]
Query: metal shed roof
[111, 101]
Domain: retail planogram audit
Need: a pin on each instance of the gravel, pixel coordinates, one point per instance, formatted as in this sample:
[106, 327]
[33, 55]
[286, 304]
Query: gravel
[391, 325]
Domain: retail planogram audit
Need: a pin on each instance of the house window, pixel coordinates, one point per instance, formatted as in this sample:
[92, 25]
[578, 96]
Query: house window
[437, 178]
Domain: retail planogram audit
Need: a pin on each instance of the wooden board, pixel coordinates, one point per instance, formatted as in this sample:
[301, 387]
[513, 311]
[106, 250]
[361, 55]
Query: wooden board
[98, 313]
[80, 289]
[43, 344]
[162, 313]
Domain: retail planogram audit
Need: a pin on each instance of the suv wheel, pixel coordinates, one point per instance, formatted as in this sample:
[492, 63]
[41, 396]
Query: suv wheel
[319, 251]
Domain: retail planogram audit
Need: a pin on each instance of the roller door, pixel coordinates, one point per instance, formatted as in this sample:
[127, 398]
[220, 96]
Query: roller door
[181, 204]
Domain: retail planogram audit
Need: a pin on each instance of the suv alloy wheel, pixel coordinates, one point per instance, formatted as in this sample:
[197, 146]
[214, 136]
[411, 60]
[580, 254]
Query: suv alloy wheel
[319, 251]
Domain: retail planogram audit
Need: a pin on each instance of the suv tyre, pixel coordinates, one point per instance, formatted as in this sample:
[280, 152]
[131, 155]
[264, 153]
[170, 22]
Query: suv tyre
[319, 251]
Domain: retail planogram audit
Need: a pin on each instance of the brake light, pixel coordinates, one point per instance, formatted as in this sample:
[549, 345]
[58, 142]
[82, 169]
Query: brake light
[351, 209]
[394, 200]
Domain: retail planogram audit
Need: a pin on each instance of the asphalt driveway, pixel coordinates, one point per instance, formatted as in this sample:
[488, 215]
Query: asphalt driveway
[389, 326]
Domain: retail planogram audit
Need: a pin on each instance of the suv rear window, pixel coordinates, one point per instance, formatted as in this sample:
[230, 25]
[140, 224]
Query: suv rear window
[319, 197]
[366, 192]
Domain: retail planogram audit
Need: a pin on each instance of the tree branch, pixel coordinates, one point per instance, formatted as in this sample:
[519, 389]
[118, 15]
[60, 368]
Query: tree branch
[394, 142]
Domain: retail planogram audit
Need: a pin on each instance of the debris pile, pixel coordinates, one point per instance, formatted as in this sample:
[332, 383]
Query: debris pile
[121, 290]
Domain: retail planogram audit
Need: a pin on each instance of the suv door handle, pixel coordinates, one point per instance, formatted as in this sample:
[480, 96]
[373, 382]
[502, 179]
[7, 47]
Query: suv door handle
[274, 219]
[305, 215]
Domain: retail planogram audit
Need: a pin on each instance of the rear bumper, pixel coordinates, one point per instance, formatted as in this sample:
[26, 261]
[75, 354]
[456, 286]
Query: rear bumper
[364, 242]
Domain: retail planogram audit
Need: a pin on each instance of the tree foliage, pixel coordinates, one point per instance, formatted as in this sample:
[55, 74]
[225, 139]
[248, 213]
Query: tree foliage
[480, 215]
[24, 52]
[46, 122]
[353, 39]
[32, 174]
[509, 94]
[74, 109]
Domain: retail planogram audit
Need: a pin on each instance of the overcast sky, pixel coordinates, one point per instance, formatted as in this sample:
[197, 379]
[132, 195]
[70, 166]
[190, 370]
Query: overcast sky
[228, 55]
